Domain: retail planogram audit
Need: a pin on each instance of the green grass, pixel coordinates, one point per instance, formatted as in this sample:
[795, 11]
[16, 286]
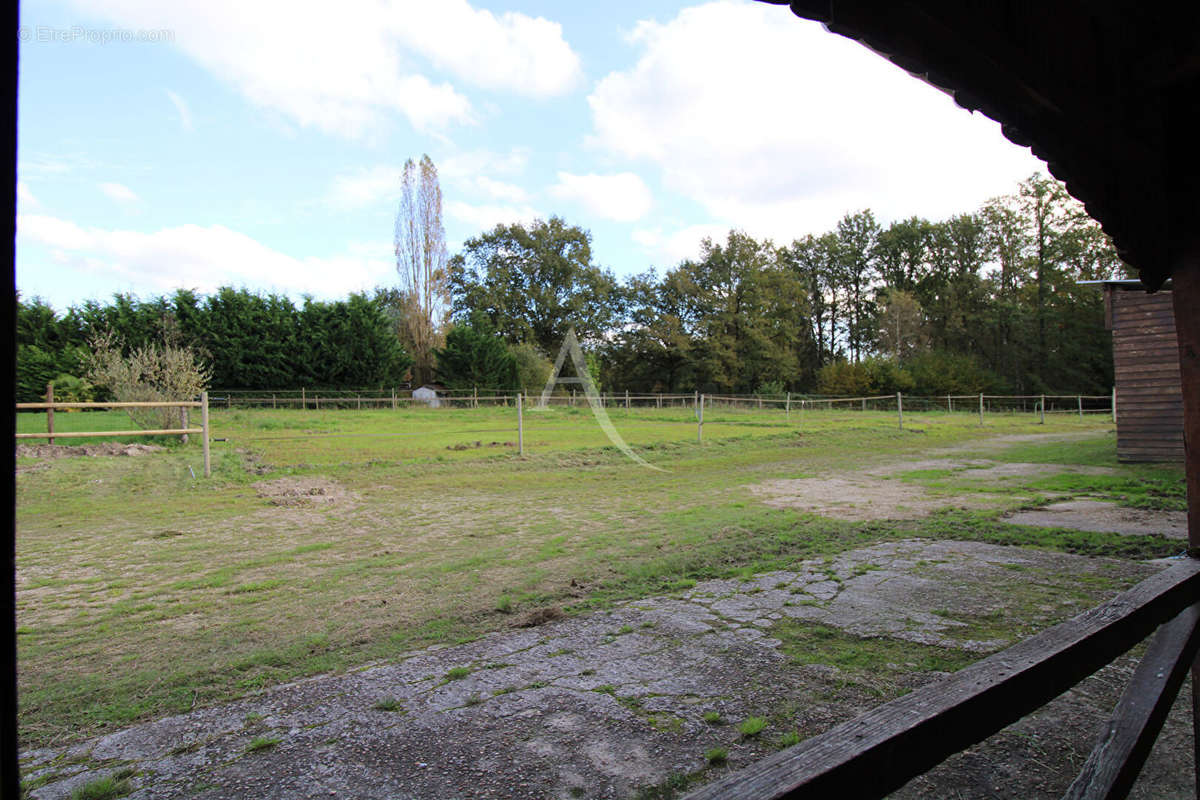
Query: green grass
[144, 592]
[260, 743]
[105, 788]
[717, 755]
[752, 726]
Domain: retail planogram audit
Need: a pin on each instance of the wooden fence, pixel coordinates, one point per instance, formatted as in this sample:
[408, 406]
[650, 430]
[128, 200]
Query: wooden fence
[184, 431]
[880, 751]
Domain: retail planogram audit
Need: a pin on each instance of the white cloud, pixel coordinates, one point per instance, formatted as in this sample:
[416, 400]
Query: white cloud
[667, 248]
[204, 258]
[778, 127]
[25, 195]
[344, 72]
[182, 109]
[515, 52]
[119, 192]
[623, 197]
[365, 187]
[485, 216]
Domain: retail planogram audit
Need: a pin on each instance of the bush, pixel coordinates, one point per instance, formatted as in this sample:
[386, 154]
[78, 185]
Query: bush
[533, 368]
[938, 372]
[871, 376]
[69, 389]
[153, 372]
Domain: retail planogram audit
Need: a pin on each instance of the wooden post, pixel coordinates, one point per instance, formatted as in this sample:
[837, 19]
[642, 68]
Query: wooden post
[303, 401]
[205, 434]
[520, 426]
[626, 399]
[1079, 399]
[949, 403]
[695, 399]
[50, 413]
[1043, 409]
[183, 417]
[474, 396]
[317, 401]
[393, 398]
[787, 407]
[899, 409]
[228, 400]
[699, 419]
[1185, 296]
[357, 401]
[1114, 404]
[273, 406]
[981, 409]
[660, 400]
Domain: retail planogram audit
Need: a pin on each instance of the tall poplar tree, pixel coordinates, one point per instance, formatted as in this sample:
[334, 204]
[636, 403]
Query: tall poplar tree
[420, 241]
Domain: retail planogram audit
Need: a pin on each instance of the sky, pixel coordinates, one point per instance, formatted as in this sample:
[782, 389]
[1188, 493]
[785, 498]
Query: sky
[259, 144]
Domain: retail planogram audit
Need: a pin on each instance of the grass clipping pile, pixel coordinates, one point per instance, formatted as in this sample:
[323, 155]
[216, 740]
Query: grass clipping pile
[304, 492]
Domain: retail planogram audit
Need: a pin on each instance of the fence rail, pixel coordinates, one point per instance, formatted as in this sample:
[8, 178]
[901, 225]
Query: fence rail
[880, 751]
[50, 406]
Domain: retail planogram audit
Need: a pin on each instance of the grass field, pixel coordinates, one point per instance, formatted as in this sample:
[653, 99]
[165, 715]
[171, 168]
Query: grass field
[144, 591]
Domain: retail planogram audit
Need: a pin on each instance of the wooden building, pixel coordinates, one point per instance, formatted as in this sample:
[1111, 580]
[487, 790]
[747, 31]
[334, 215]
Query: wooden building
[1146, 372]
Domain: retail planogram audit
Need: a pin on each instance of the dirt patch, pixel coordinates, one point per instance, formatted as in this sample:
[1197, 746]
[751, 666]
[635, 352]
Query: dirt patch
[308, 491]
[1095, 515]
[73, 450]
[859, 498]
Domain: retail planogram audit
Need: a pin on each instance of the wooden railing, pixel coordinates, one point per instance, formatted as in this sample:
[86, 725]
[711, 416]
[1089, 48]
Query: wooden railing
[880, 751]
[50, 434]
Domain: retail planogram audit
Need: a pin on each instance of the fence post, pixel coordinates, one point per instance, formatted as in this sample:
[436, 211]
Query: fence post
[699, 418]
[474, 396]
[949, 404]
[1043, 407]
[1114, 404]
[50, 412]
[626, 399]
[520, 426]
[357, 401]
[695, 399]
[317, 401]
[787, 407]
[660, 399]
[303, 400]
[273, 406]
[981, 409]
[1079, 399]
[204, 425]
[228, 400]
[183, 417]
[393, 398]
[899, 409]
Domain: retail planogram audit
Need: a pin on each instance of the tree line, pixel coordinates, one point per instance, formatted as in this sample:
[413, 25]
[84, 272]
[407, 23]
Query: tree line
[984, 301]
[248, 340]
[988, 300]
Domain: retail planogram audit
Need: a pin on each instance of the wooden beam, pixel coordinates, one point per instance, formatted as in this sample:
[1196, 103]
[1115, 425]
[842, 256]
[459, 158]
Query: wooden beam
[883, 749]
[1118, 758]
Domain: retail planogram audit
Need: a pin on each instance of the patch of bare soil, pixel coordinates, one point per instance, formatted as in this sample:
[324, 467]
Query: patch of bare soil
[1095, 515]
[859, 498]
[72, 450]
[307, 491]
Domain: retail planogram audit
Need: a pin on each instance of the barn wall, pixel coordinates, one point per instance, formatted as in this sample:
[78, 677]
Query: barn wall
[1146, 366]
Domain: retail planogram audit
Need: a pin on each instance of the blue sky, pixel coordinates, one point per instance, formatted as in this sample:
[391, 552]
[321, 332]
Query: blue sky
[168, 145]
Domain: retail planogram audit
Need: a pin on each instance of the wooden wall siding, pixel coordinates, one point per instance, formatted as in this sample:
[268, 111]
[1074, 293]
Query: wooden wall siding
[1146, 366]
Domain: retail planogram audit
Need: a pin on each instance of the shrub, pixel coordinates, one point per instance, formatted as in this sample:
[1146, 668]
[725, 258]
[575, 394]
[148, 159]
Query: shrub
[152, 372]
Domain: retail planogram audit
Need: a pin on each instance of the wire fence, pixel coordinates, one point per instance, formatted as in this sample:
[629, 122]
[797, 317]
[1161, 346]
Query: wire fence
[368, 398]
